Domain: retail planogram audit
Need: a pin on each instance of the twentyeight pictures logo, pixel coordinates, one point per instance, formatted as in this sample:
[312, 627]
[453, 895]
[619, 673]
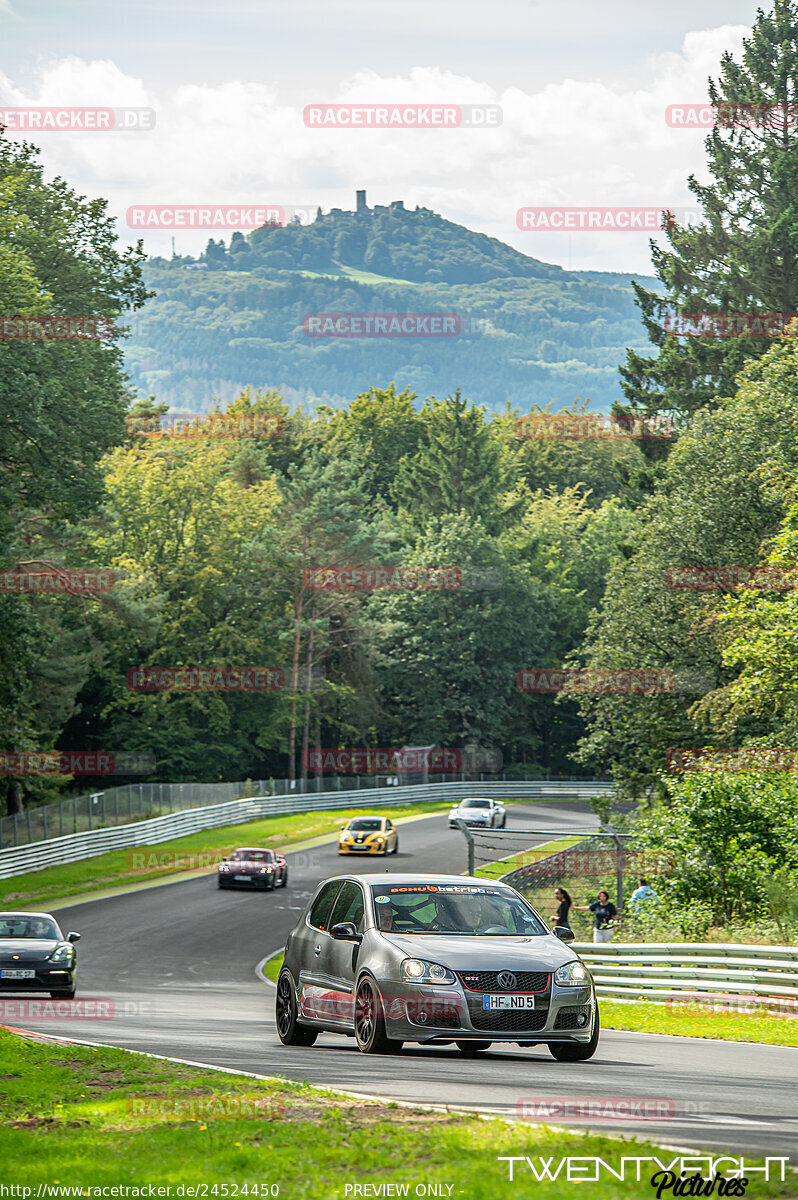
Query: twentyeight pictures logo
[402, 116]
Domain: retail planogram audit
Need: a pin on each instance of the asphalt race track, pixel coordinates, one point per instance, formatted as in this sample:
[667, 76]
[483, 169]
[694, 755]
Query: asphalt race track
[179, 962]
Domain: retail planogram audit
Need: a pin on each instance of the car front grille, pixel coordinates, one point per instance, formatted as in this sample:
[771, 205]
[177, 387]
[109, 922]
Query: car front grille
[568, 1018]
[488, 981]
[503, 1020]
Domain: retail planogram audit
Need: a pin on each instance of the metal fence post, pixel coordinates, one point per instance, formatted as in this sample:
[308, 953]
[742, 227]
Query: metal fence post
[618, 871]
[470, 840]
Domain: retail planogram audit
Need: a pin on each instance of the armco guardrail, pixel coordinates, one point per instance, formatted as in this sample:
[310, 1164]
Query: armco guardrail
[74, 847]
[762, 975]
[142, 801]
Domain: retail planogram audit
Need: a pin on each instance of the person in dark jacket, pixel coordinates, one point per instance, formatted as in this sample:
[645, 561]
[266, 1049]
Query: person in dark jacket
[564, 903]
[604, 913]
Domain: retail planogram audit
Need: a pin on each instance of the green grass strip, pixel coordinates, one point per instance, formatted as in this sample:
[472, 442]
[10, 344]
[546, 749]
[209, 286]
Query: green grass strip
[72, 1116]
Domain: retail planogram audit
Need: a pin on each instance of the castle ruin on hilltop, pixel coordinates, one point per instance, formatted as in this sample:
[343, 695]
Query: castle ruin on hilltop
[362, 209]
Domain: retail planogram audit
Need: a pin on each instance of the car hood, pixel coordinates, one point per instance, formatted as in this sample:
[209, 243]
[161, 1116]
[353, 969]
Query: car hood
[465, 953]
[28, 949]
[245, 864]
[470, 811]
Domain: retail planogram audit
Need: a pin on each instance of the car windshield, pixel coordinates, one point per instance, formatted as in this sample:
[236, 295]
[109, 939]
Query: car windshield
[28, 927]
[253, 855]
[453, 909]
[362, 824]
[475, 804]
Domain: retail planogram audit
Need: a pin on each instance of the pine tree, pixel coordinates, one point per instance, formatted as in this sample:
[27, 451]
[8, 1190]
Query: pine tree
[743, 256]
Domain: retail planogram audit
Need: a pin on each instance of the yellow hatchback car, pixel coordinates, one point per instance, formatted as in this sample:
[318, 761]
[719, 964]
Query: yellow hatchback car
[368, 835]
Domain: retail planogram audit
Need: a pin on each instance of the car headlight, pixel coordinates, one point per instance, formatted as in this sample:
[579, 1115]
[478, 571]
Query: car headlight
[417, 970]
[266, 870]
[61, 954]
[573, 974]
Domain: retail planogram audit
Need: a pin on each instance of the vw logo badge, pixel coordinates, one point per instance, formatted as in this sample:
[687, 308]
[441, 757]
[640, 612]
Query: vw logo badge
[507, 980]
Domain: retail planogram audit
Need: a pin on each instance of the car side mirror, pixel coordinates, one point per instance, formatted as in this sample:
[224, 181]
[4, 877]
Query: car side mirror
[345, 931]
[564, 933]
[73, 937]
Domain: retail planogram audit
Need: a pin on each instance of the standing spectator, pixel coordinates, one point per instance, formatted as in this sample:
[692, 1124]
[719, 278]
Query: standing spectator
[644, 891]
[564, 903]
[604, 912]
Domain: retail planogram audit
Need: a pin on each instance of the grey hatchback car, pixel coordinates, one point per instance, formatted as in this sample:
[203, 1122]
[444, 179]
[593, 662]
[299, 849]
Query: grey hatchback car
[433, 959]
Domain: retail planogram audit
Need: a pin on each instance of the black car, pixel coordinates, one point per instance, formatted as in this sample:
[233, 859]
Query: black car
[35, 956]
[253, 867]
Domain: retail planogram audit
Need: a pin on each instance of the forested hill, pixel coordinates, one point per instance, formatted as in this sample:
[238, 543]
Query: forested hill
[530, 332]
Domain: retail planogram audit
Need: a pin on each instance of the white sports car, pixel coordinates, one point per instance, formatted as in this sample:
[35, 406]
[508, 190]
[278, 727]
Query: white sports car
[485, 814]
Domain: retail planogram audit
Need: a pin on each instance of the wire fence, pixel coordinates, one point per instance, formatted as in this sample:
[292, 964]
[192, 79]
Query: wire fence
[143, 801]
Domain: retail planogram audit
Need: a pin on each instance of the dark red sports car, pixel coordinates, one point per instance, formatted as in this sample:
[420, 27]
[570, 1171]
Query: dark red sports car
[253, 867]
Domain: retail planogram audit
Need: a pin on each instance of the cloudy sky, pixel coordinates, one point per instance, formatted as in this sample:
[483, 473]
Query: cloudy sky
[583, 89]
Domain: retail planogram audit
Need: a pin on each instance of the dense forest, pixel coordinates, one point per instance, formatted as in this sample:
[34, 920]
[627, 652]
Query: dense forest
[528, 333]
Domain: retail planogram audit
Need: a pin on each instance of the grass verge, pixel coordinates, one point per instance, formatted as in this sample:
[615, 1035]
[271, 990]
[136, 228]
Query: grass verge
[145, 863]
[690, 1019]
[71, 1116]
[273, 966]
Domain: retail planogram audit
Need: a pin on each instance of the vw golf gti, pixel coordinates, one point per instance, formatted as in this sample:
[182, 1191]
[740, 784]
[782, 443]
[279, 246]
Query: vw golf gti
[433, 959]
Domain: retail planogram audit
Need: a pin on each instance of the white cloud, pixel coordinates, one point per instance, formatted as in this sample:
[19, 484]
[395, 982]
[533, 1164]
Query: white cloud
[575, 142]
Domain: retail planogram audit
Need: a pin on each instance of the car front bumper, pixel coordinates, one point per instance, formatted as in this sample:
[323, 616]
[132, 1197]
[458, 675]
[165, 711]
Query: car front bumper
[426, 1013]
[253, 880]
[362, 848]
[46, 979]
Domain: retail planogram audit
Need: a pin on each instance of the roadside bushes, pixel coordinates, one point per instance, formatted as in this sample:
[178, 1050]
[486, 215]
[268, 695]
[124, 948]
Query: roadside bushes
[732, 840]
